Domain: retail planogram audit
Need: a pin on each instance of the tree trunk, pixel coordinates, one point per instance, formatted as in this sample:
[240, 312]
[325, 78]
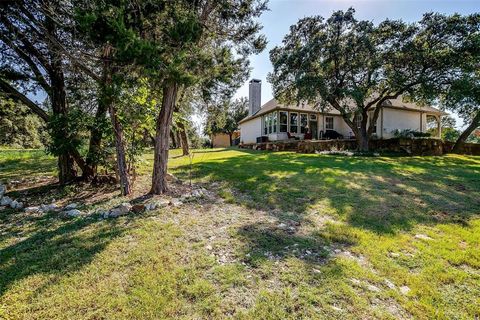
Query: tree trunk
[363, 142]
[66, 164]
[183, 139]
[230, 137]
[120, 151]
[363, 134]
[172, 139]
[66, 168]
[466, 133]
[109, 100]
[164, 121]
[178, 140]
[96, 135]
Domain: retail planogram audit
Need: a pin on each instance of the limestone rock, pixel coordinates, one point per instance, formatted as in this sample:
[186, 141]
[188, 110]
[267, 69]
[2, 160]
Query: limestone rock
[404, 290]
[3, 190]
[373, 288]
[71, 206]
[121, 210]
[16, 205]
[157, 204]
[389, 284]
[73, 213]
[32, 209]
[48, 207]
[150, 206]
[176, 202]
[423, 237]
[6, 201]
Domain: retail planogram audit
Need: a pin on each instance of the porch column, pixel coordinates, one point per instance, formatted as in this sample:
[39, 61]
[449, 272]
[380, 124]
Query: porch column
[439, 126]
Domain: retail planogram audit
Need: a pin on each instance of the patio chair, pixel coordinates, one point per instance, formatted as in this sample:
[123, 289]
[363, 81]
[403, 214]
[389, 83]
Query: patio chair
[292, 137]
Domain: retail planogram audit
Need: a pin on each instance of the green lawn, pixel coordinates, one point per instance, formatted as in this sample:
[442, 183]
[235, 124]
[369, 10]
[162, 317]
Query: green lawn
[283, 235]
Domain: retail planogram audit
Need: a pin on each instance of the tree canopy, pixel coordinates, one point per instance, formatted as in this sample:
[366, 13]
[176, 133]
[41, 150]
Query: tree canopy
[355, 66]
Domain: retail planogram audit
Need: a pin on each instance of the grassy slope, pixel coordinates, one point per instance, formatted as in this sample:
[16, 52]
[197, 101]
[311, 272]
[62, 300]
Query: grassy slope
[156, 265]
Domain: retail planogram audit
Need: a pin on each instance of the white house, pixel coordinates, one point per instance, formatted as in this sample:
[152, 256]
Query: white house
[277, 121]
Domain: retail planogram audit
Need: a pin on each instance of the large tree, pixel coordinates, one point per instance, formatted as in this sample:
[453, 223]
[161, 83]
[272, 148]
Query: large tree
[204, 42]
[40, 59]
[355, 66]
[463, 97]
[27, 37]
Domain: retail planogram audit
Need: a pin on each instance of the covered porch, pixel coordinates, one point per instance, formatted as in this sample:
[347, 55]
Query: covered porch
[281, 125]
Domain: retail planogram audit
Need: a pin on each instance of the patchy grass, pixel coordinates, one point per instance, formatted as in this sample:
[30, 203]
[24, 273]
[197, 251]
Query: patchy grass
[281, 235]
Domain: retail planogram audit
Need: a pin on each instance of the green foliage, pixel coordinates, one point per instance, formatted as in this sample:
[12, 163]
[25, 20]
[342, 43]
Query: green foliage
[19, 128]
[449, 133]
[60, 125]
[474, 137]
[354, 66]
[409, 133]
[224, 118]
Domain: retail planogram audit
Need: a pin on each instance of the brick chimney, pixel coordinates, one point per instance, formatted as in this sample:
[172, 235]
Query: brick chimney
[254, 96]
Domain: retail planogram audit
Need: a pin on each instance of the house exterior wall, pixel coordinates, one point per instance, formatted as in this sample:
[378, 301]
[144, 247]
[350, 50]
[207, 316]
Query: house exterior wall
[388, 120]
[338, 125]
[250, 130]
[400, 120]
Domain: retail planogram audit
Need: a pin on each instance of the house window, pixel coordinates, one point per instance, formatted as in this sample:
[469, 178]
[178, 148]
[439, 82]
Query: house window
[283, 121]
[329, 123]
[303, 122]
[265, 125]
[293, 122]
[270, 118]
[275, 122]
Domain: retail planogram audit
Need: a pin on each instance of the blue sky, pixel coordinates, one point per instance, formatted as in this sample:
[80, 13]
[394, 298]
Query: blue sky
[284, 13]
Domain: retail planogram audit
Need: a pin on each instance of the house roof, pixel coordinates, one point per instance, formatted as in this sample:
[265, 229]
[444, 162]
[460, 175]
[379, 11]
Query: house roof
[397, 103]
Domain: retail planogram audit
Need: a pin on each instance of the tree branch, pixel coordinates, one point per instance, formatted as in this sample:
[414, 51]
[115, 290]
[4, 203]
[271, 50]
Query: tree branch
[23, 55]
[18, 96]
[27, 44]
[74, 60]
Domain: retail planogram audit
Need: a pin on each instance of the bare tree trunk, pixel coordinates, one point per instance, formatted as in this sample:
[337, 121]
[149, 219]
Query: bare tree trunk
[363, 142]
[178, 140]
[120, 151]
[183, 139]
[230, 137]
[363, 134]
[109, 100]
[164, 121]
[96, 133]
[66, 164]
[172, 139]
[466, 133]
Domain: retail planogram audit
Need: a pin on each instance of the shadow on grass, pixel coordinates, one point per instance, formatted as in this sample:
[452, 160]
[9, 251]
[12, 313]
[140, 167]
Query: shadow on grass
[384, 195]
[21, 164]
[263, 241]
[55, 247]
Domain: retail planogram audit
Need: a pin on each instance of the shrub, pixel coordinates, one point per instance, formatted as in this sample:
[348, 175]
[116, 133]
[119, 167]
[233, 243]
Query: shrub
[409, 133]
